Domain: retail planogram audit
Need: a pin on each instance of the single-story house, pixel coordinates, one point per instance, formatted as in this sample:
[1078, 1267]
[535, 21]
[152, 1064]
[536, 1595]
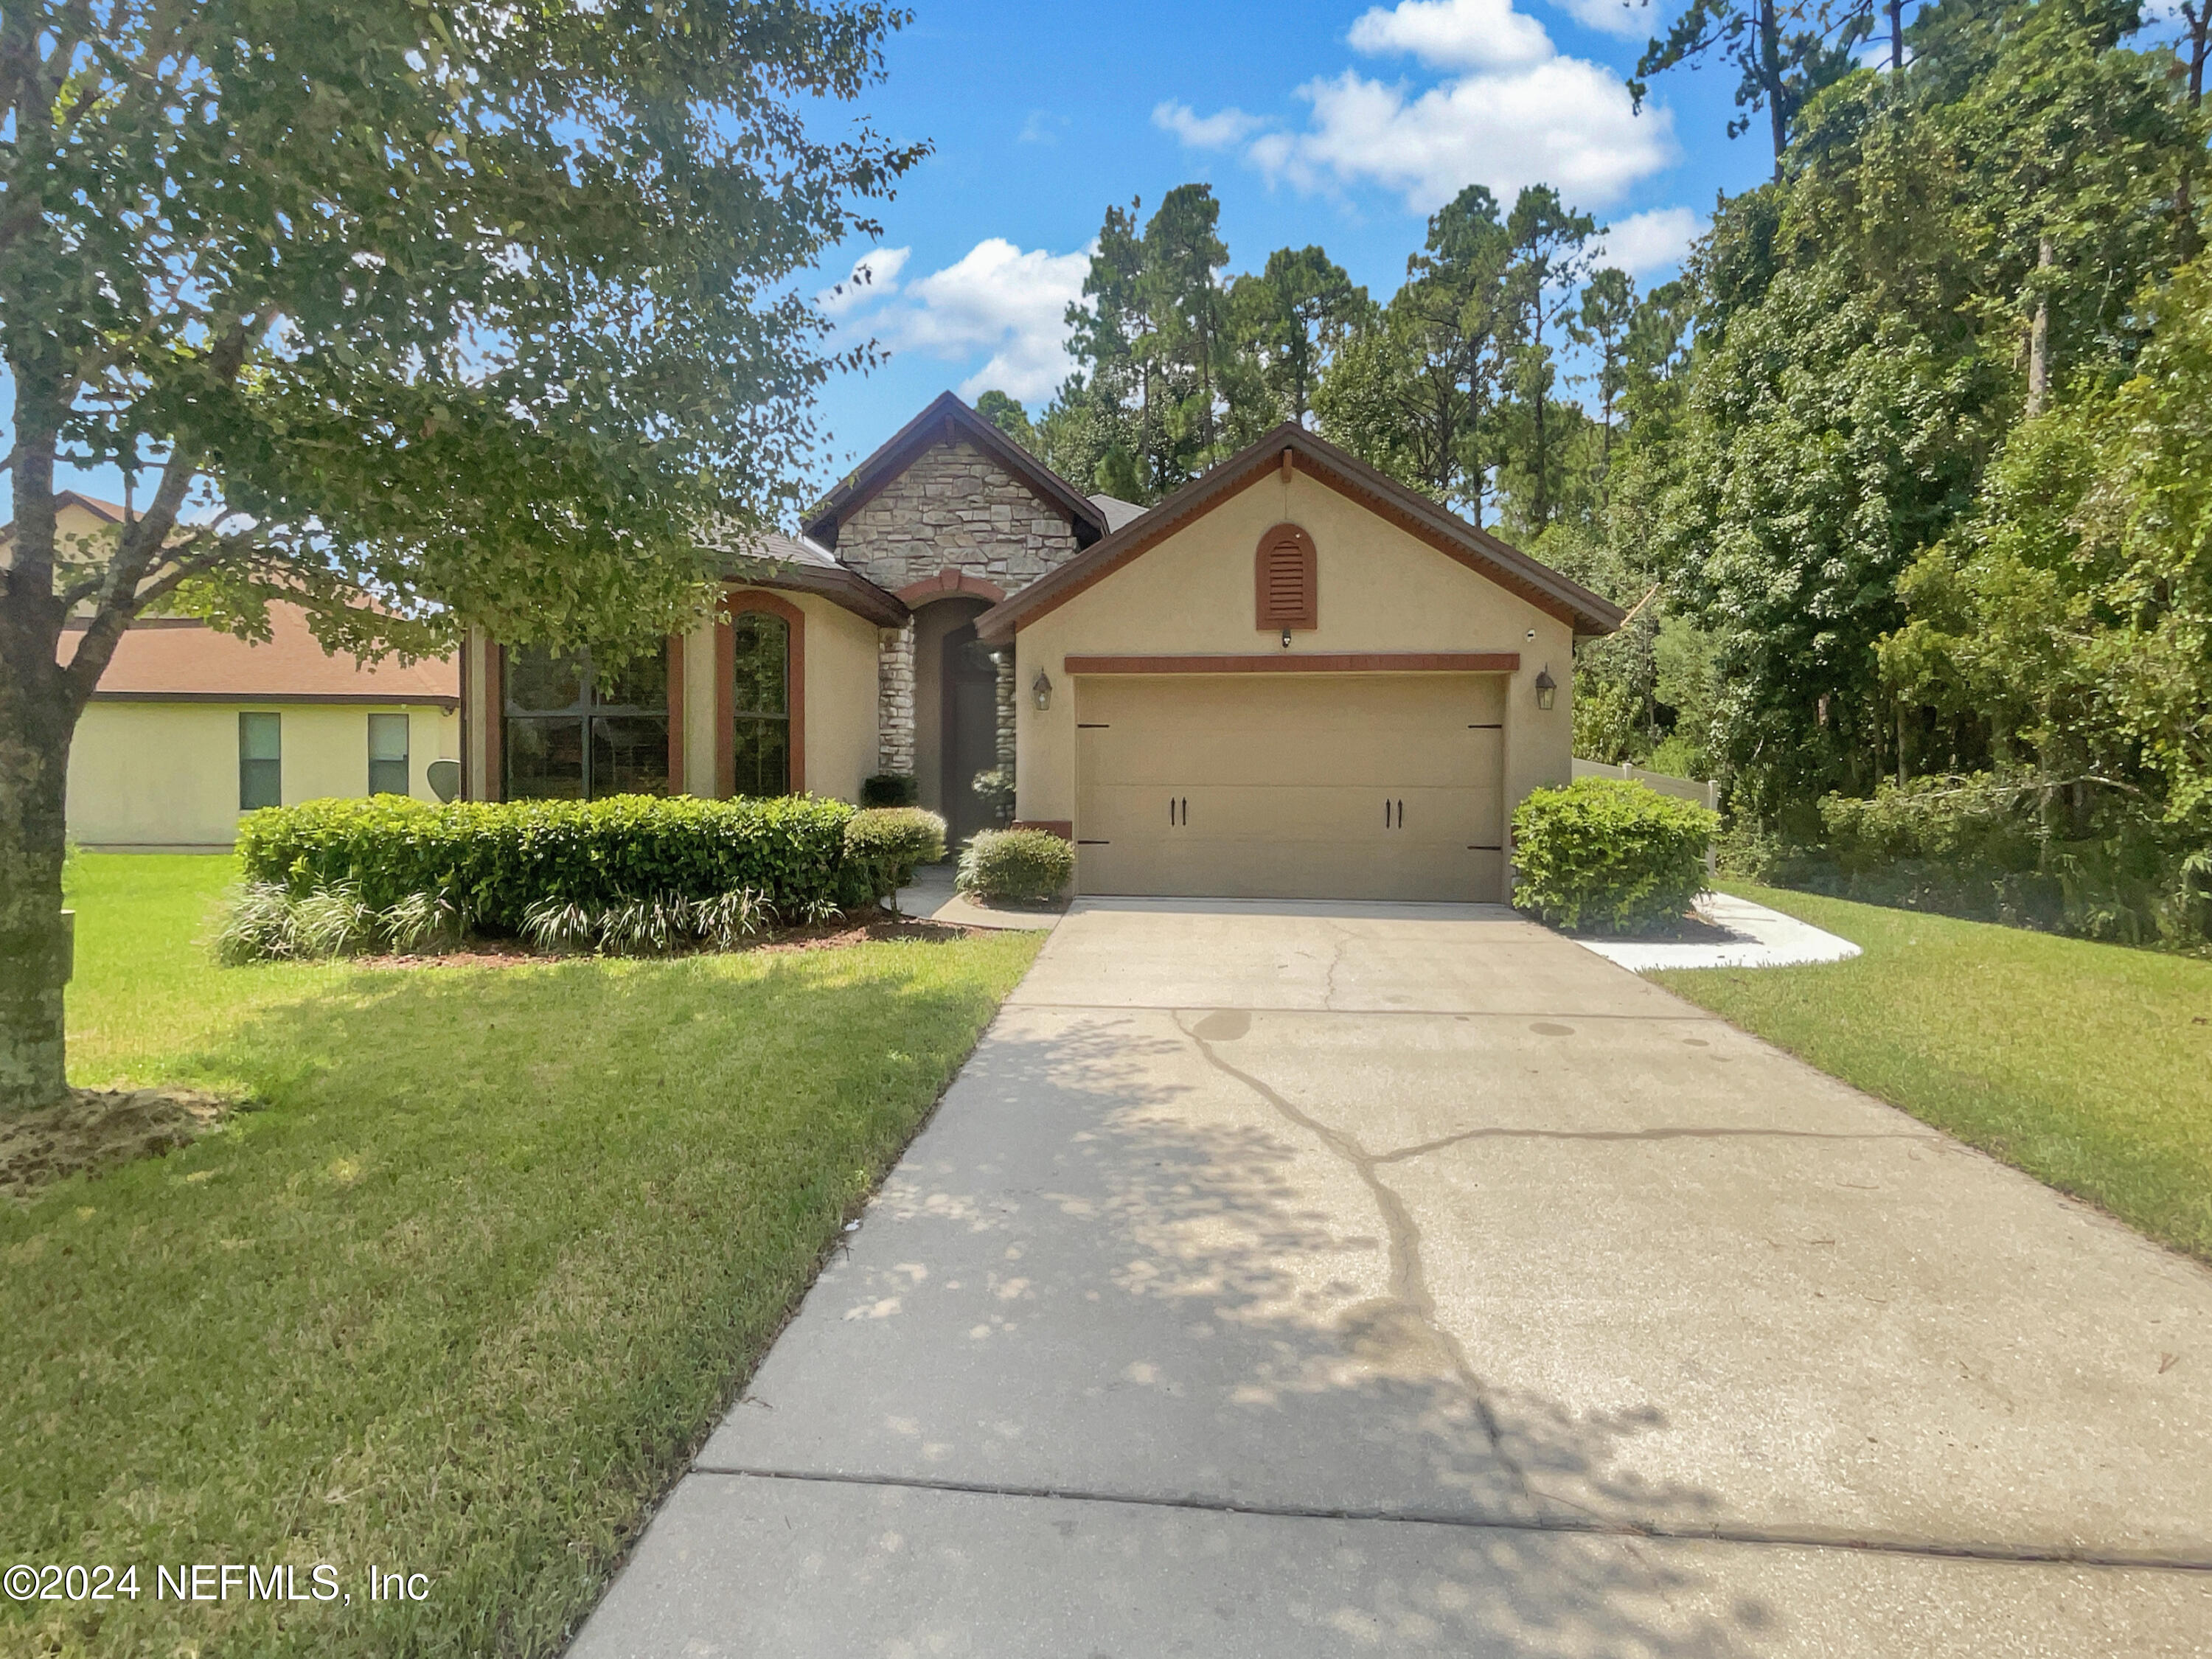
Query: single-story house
[191, 727]
[1295, 677]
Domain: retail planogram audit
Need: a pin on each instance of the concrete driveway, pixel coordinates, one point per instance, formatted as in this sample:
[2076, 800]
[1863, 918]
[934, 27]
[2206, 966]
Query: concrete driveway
[1304, 1280]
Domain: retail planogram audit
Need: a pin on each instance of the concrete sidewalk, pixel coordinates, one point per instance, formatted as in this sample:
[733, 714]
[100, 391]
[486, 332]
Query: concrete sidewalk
[1294, 1279]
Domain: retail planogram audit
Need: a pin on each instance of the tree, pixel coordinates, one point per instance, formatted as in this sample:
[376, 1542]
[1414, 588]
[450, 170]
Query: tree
[1188, 349]
[1093, 431]
[1007, 414]
[1608, 309]
[412, 313]
[1414, 387]
[1547, 240]
[1292, 317]
[1785, 49]
[2072, 619]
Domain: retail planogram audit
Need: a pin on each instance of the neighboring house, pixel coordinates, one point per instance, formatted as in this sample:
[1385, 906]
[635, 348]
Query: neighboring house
[1295, 677]
[191, 727]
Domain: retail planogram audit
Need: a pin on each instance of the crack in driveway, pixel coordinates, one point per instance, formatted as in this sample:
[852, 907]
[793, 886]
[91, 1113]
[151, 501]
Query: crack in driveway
[1408, 1281]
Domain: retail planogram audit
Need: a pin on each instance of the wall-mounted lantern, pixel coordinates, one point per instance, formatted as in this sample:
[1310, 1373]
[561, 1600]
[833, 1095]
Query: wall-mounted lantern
[1041, 689]
[1548, 689]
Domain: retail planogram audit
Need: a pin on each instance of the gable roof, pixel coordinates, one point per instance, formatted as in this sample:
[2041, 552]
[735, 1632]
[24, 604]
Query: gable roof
[947, 418]
[1415, 513]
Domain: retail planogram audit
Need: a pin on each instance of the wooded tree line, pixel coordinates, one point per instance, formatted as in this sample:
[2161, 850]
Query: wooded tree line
[1908, 475]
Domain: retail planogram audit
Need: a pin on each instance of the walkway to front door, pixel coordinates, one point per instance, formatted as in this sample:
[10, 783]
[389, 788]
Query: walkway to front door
[1311, 1280]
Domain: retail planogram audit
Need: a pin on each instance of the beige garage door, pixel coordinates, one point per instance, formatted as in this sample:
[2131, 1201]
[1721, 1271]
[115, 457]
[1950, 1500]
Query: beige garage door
[1265, 786]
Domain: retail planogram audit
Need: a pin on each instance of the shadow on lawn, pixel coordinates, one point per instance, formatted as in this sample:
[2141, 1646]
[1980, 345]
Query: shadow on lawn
[466, 1292]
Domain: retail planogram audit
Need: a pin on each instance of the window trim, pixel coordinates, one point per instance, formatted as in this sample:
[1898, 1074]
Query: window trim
[244, 761]
[495, 716]
[406, 753]
[736, 602]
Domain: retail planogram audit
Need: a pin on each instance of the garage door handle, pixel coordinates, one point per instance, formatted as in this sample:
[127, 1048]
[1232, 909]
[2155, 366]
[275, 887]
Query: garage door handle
[1393, 815]
[1179, 811]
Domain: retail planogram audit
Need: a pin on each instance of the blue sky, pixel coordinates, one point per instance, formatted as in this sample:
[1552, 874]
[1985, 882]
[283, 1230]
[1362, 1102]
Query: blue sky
[1343, 124]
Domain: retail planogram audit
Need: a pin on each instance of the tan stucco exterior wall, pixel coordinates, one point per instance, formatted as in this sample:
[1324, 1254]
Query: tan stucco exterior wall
[165, 774]
[1380, 589]
[701, 666]
[840, 697]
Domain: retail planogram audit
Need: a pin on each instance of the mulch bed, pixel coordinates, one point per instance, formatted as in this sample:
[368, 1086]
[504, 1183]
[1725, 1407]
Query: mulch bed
[99, 1129]
[860, 927]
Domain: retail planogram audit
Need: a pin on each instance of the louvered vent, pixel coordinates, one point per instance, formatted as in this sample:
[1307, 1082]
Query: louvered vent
[1285, 580]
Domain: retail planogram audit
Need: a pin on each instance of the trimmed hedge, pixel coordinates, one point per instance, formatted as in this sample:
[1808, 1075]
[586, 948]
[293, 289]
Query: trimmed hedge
[1609, 853]
[493, 862]
[1023, 865]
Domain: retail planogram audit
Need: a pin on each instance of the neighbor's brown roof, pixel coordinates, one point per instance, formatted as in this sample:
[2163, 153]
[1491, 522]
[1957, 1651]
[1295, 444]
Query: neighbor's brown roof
[1508, 566]
[180, 659]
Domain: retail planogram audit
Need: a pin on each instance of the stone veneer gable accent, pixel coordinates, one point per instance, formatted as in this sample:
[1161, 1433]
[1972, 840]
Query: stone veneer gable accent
[953, 507]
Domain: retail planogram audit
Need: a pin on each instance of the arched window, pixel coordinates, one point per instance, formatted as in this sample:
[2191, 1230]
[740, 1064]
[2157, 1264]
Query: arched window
[760, 702]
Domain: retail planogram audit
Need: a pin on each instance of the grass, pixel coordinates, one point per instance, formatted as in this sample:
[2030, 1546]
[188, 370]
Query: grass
[463, 1293]
[2085, 1065]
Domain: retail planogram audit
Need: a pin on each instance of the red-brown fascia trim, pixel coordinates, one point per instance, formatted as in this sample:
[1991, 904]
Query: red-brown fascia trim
[846, 588]
[1307, 662]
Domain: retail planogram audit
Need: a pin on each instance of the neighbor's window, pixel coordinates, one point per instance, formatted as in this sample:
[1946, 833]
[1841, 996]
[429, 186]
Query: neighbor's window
[760, 702]
[387, 754]
[260, 761]
[578, 731]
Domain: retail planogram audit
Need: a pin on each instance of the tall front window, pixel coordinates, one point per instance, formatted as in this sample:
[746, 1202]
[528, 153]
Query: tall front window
[760, 702]
[260, 761]
[387, 754]
[576, 730]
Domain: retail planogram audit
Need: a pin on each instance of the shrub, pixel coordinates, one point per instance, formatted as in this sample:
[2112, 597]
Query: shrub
[887, 842]
[890, 789]
[489, 863]
[1606, 853]
[1021, 866]
[255, 924]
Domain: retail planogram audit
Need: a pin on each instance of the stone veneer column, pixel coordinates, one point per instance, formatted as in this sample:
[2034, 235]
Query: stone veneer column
[895, 700]
[1007, 696]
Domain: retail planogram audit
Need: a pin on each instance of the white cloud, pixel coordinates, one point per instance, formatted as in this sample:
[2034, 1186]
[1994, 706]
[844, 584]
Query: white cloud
[875, 277]
[1563, 122]
[1652, 242]
[1216, 132]
[1043, 126]
[1460, 35]
[1624, 18]
[995, 299]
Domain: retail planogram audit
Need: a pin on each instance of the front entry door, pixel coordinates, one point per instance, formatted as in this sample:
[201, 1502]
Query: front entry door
[971, 706]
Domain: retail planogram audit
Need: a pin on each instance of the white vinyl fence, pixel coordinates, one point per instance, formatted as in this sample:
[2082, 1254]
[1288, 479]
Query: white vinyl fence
[1705, 792]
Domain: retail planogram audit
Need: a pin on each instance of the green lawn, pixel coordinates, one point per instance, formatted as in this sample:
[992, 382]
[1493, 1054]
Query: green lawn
[2087, 1066]
[461, 1296]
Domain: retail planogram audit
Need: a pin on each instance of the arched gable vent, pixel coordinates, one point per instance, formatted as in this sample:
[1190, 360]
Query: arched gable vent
[1285, 579]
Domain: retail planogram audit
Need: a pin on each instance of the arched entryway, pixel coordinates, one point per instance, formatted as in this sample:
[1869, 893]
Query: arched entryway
[956, 713]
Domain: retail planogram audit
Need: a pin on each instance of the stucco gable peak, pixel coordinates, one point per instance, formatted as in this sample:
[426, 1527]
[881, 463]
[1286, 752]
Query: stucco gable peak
[1292, 446]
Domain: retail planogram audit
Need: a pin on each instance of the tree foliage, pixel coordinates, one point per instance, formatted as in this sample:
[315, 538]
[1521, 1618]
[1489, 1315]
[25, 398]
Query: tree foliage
[409, 311]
